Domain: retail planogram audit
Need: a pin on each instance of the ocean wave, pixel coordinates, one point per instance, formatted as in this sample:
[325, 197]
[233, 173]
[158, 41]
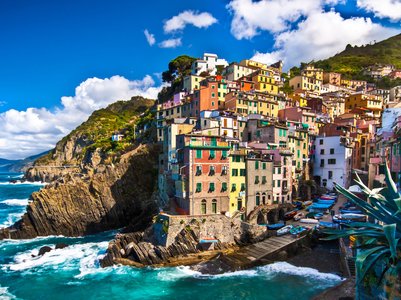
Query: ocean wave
[67, 258]
[5, 294]
[15, 202]
[11, 219]
[271, 270]
[19, 182]
[286, 268]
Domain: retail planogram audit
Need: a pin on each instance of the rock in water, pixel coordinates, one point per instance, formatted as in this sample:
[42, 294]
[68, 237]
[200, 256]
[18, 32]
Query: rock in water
[44, 249]
[61, 246]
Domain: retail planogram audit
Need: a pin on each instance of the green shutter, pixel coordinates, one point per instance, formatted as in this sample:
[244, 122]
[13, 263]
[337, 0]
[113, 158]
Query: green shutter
[198, 153]
[224, 155]
[212, 153]
[233, 187]
[264, 166]
[198, 187]
[211, 187]
[224, 186]
[256, 164]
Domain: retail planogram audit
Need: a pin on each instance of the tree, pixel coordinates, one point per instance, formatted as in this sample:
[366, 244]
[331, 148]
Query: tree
[178, 68]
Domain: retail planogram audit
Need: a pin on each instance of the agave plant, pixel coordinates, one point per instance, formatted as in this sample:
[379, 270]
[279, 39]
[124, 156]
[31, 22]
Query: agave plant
[376, 242]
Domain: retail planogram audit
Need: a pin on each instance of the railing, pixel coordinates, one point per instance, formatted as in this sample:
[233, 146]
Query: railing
[208, 144]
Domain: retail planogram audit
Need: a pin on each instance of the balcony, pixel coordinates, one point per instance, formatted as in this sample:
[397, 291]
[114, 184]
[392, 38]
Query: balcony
[208, 144]
[285, 152]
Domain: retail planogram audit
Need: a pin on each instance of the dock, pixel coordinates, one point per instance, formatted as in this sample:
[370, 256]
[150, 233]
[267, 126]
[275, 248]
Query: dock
[263, 252]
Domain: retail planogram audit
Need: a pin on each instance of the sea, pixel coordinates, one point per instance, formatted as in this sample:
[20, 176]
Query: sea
[74, 272]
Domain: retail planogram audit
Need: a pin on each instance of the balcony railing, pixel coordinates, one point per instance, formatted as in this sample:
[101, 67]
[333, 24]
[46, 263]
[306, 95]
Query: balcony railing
[208, 144]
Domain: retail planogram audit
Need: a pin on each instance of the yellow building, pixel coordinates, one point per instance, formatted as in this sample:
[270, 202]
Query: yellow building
[298, 142]
[312, 72]
[253, 64]
[374, 103]
[191, 83]
[265, 82]
[221, 92]
[304, 83]
[300, 100]
[237, 174]
[267, 105]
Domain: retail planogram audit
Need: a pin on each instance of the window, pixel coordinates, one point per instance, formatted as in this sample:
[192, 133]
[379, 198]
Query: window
[330, 174]
[214, 206]
[213, 95]
[242, 172]
[203, 207]
[224, 186]
[211, 187]
[320, 142]
[331, 161]
[256, 179]
[322, 151]
[322, 162]
[278, 170]
[234, 172]
[264, 181]
[224, 170]
[198, 153]
[264, 166]
[233, 187]
[278, 183]
[274, 183]
[331, 150]
[212, 154]
[212, 170]
[198, 171]
[257, 199]
[256, 165]
[224, 154]
[242, 187]
[212, 102]
[199, 187]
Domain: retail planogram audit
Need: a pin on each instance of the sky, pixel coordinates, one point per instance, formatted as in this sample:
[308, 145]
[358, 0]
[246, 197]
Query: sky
[61, 60]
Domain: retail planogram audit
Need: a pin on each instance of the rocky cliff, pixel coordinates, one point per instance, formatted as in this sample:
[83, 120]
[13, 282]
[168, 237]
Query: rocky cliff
[114, 196]
[96, 184]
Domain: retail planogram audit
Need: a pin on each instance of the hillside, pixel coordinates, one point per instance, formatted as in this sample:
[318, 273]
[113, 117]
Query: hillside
[19, 165]
[96, 184]
[351, 61]
[95, 134]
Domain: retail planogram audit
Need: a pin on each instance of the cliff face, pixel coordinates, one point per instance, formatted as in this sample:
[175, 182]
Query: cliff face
[107, 197]
[96, 184]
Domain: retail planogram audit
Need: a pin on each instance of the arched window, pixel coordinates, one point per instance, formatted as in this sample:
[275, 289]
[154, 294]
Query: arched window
[257, 199]
[203, 207]
[264, 198]
[214, 206]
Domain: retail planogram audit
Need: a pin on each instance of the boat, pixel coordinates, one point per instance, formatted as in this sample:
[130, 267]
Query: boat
[275, 226]
[307, 203]
[348, 218]
[327, 224]
[328, 197]
[289, 215]
[318, 216]
[297, 230]
[309, 221]
[351, 211]
[284, 230]
[299, 216]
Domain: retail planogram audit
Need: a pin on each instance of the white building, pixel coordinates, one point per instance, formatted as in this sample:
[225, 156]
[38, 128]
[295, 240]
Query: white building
[333, 161]
[208, 64]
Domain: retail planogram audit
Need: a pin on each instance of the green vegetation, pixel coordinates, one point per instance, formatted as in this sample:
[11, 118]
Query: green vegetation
[178, 68]
[378, 245]
[353, 59]
[122, 117]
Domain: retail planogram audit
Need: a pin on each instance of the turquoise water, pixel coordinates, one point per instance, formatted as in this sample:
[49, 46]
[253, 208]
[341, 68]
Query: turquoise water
[74, 272]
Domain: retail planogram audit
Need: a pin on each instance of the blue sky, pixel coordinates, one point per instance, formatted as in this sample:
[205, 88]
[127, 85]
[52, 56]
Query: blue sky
[49, 48]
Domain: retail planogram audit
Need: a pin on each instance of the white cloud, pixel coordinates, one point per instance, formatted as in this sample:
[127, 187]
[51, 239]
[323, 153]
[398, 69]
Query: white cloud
[2, 103]
[170, 43]
[200, 20]
[250, 17]
[321, 35]
[383, 9]
[150, 37]
[34, 130]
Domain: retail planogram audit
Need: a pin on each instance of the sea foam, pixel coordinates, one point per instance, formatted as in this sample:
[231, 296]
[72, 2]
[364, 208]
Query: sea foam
[286, 268]
[15, 202]
[66, 258]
